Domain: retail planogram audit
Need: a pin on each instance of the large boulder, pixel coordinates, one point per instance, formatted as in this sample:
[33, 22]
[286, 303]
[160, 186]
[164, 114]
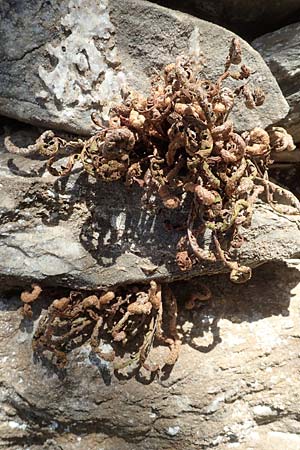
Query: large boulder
[82, 233]
[281, 51]
[236, 383]
[60, 63]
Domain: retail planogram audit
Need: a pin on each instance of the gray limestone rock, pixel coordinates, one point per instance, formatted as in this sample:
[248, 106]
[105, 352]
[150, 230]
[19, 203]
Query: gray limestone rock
[236, 383]
[61, 60]
[81, 233]
[281, 51]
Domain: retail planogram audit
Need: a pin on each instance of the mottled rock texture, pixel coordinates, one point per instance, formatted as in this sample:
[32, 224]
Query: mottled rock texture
[61, 60]
[247, 18]
[236, 384]
[80, 233]
[281, 51]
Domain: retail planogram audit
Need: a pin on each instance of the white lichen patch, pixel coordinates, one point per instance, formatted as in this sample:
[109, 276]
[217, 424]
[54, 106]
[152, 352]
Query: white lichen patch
[17, 426]
[263, 411]
[85, 71]
[173, 431]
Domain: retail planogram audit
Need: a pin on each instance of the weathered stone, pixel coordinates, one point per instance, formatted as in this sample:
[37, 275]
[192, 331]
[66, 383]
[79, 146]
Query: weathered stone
[60, 63]
[81, 233]
[247, 18]
[236, 383]
[281, 51]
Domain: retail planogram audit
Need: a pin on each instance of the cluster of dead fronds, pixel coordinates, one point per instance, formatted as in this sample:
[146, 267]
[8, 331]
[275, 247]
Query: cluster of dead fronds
[129, 319]
[179, 146]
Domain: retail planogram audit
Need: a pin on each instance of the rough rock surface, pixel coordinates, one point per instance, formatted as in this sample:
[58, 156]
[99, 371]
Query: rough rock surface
[81, 233]
[243, 17]
[281, 51]
[60, 60]
[236, 384]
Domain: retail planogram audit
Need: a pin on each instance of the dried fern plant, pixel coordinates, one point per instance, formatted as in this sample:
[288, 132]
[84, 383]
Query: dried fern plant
[177, 144]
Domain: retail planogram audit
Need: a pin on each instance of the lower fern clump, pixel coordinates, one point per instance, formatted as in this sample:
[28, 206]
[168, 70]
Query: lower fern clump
[131, 320]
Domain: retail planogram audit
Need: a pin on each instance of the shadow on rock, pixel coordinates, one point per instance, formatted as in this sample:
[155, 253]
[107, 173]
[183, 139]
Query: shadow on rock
[119, 225]
[266, 294]
[108, 219]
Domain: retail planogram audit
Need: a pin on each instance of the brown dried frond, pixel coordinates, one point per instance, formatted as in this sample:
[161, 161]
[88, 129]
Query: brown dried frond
[235, 52]
[184, 261]
[280, 140]
[169, 200]
[29, 297]
[198, 297]
[127, 316]
[258, 142]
